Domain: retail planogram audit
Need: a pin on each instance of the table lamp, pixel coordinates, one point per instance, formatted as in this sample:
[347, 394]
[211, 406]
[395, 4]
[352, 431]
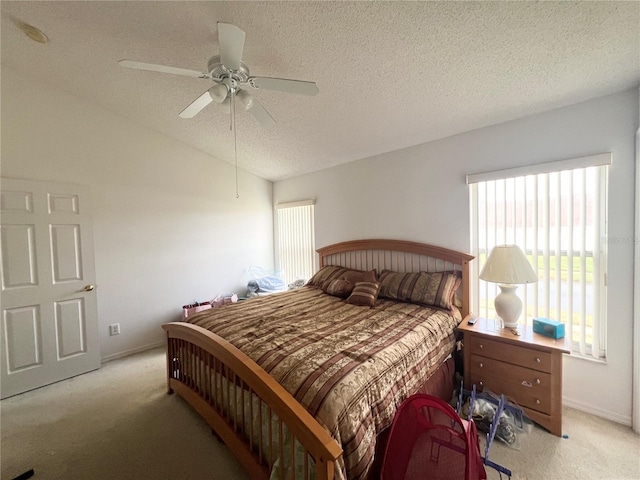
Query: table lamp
[508, 266]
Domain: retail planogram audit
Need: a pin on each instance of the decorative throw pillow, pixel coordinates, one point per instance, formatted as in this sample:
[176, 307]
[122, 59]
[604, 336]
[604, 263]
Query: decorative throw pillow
[434, 289]
[364, 294]
[355, 276]
[325, 275]
[338, 288]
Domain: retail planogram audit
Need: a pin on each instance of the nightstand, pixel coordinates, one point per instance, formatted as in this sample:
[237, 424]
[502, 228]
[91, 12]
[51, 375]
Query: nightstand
[527, 369]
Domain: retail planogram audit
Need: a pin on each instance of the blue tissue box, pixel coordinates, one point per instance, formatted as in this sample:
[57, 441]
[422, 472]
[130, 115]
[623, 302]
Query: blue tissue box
[548, 328]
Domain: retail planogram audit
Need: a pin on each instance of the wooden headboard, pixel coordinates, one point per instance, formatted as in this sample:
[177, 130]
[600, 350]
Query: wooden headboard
[399, 256]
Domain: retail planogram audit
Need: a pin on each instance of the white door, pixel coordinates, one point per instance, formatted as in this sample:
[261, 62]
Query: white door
[49, 312]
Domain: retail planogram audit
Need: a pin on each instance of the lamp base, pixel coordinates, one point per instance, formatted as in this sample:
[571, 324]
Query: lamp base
[508, 305]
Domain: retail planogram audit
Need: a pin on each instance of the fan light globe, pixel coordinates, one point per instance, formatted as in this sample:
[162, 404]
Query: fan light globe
[226, 105]
[219, 92]
[246, 99]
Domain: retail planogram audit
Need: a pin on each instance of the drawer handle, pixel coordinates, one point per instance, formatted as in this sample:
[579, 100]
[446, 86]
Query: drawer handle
[481, 365]
[537, 359]
[527, 383]
[481, 346]
[538, 381]
[537, 402]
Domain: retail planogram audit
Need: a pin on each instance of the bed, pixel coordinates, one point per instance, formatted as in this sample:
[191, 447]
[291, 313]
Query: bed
[302, 384]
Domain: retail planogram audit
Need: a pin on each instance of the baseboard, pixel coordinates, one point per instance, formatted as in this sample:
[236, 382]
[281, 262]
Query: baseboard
[598, 412]
[133, 351]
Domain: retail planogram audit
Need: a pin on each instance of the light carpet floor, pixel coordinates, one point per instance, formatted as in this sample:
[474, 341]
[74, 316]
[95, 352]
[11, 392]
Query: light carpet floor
[119, 423]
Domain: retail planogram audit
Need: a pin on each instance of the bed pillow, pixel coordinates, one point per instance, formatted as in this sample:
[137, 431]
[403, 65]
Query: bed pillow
[338, 288]
[434, 289]
[331, 272]
[457, 294]
[325, 275]
[364, 294]
[355, 276]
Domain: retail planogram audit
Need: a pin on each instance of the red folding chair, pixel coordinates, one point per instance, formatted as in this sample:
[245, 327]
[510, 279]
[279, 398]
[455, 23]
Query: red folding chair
[428, 440]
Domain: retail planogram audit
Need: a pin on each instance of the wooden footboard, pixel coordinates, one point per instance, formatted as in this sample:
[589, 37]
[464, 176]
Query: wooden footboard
[261, 423]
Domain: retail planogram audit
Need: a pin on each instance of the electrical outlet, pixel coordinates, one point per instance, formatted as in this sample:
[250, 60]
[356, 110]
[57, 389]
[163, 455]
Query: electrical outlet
[114, 329]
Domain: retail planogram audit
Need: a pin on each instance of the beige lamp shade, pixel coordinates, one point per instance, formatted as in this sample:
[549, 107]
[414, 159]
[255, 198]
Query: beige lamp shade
[508, 264]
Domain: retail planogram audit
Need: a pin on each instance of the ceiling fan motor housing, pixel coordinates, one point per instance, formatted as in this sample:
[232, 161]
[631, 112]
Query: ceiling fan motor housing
[219, 72]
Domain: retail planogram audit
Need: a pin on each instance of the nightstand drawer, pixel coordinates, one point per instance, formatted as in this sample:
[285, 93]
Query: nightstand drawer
[525, 357]
[533, 397]
[528, 378]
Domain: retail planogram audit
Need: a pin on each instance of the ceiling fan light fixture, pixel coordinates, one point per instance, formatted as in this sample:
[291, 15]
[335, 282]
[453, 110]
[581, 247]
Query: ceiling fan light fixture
[219, 92]
[226, 105]
[246, 99]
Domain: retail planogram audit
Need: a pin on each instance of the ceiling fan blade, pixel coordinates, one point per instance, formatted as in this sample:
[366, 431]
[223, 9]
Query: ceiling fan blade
[162, 68]
[261, 115]
[231, 40]
[284, 85]
[198, 104]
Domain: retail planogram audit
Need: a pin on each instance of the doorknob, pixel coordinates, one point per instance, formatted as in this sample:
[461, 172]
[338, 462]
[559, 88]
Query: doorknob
[88, 288]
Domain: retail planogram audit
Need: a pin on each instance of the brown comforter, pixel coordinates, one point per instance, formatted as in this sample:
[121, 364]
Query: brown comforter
[350, 366]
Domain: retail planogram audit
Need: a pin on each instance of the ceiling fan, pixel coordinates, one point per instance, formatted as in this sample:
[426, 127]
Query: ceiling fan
[231, 78]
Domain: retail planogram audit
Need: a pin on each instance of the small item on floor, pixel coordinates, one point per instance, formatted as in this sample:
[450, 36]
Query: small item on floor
[25, 475]
[565, 436]
[511, 424]
[483, 415]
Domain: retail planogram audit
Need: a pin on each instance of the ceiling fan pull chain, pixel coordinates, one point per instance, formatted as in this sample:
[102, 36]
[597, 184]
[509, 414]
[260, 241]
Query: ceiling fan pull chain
[232, 105]
[235, 136]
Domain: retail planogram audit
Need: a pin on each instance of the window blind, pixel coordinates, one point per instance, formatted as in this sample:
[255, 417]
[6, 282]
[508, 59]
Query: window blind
[296, 244]
[558, 217]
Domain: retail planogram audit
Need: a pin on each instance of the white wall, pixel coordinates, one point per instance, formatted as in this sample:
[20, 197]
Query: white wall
[636, 309]
[419, 193]
[168, 228]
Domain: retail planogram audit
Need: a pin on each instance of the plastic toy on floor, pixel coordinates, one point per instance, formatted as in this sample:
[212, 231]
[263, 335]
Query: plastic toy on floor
[496, 417]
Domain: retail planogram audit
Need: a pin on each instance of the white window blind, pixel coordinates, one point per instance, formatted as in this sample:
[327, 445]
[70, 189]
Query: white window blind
[296, 244]
[556, 213]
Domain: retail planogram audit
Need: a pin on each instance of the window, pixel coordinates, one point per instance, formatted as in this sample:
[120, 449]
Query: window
[295, 240]
[555, 212]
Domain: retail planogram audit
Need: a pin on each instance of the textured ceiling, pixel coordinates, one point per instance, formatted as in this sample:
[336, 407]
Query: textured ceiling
[390, 74]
